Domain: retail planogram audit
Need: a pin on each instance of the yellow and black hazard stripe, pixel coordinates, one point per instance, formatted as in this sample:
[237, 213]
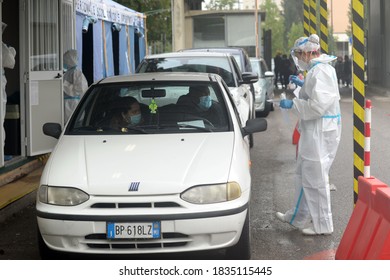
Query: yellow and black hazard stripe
[313, 16]
[324, 26]
[306, 17]
[358, 91]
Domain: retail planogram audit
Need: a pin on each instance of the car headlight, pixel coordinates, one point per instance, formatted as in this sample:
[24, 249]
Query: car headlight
[61, 196]
[212, 193]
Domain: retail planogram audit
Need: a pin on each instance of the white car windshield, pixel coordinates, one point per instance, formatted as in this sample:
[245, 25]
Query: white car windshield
[152, 108]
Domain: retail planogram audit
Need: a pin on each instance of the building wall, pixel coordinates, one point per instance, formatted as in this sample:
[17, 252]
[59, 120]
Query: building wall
[378, 59]
[340, 15]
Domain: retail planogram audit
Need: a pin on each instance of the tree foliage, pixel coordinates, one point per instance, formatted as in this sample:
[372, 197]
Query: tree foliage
[220, 4]
[274, 22]
[158, 19]
[292, 12]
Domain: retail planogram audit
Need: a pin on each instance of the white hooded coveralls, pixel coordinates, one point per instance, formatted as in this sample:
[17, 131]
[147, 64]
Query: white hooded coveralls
[9, 54]
[75, 83]
[318, 110]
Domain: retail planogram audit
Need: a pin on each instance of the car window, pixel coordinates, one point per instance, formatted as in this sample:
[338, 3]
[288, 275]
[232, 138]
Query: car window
[236, 69]
[170, 107]
[216, 65]
[259, 67]
[239, 61]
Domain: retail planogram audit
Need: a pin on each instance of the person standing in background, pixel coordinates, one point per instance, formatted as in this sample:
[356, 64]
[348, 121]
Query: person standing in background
[285, 71]
[347, 71]
[8, 58]
[277, 68]
[75, 83]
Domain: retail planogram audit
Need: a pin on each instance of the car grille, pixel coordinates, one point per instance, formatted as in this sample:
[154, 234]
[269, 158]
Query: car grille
[136, 205]
[168, 240]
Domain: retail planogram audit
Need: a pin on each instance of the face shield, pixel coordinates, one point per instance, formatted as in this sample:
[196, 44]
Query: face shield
[298, 57]
[301, 52]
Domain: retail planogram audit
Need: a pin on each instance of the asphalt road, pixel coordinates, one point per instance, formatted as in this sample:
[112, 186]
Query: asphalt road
[273, 165]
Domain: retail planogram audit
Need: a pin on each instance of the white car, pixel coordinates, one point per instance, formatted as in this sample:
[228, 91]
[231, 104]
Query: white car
[179, 181]
[264, 87]
[223, 64]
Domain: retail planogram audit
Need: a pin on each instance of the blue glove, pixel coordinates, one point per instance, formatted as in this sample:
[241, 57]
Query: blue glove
[286, 103]
[294, 79]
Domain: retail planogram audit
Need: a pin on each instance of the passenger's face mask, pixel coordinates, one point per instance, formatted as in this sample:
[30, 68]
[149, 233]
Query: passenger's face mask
[132, 119]
[205, 102]
[136, 119]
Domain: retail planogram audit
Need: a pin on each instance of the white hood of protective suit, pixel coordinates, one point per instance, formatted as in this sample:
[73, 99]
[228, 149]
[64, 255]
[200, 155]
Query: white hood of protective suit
[165, 164]
[323, 58]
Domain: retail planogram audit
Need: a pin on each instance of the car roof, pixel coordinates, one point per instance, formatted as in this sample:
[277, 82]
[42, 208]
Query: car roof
[161, 76]
[256, 59]
[187, 54]
[217, 49]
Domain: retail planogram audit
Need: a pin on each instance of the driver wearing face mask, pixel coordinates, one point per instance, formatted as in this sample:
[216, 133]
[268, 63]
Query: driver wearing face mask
[200, 101]
[127, 114]
[198, 96]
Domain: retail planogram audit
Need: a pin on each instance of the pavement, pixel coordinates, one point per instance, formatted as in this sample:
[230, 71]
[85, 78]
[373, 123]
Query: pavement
[18, 185]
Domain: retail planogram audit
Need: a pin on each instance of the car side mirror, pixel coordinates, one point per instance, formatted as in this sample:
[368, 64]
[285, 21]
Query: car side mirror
[52, 129]
[254, 125]
[249, 78]
[268, 74]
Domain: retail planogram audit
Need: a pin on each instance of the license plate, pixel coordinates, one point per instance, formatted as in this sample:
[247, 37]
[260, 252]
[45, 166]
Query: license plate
[150, 230]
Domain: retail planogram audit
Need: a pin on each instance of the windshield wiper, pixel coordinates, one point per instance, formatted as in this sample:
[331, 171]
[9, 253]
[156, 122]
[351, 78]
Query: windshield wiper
[195, 127]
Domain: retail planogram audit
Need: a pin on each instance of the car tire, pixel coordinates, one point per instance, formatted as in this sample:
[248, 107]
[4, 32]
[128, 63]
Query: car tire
[242, 250]
[44, 251]
[267, 109]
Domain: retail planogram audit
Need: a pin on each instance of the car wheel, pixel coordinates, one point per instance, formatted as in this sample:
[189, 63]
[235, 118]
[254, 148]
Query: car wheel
[242, 250]
[267, 108]
[45, 252]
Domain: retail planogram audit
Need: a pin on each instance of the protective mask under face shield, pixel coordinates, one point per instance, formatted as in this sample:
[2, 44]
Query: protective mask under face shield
[301, 65]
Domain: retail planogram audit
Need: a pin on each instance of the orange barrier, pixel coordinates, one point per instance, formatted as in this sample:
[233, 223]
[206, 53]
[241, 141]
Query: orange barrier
[367, 235]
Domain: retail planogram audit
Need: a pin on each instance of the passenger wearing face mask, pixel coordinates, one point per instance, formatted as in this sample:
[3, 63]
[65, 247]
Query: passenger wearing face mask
[318, 112]
[199, 99]
[128, 113]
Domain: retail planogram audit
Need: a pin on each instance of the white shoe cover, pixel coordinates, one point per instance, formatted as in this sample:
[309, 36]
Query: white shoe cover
[281, 217]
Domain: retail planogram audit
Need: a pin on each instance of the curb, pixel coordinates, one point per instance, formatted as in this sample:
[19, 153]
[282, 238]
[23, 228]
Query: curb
[18, 187]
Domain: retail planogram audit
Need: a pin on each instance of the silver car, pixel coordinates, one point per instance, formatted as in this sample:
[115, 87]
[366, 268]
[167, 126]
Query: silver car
[264, 90]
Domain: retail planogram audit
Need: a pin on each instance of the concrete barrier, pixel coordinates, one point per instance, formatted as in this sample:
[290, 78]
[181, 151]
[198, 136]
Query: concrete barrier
[367, 235]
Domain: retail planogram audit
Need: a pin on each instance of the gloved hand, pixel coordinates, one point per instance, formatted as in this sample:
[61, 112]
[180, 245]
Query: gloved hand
[295, 79]
[286, 103]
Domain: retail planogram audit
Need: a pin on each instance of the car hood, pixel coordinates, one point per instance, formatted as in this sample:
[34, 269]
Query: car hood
[140, 164]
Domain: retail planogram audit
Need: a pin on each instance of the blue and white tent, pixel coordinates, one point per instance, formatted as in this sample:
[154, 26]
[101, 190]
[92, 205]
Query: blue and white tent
[116, 44]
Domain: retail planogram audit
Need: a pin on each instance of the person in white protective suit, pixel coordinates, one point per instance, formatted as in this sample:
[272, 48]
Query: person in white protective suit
[75, 83]
[8, 55]
[318, 111]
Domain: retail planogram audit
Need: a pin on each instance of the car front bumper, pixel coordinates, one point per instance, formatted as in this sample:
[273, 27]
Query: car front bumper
[177, 235]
